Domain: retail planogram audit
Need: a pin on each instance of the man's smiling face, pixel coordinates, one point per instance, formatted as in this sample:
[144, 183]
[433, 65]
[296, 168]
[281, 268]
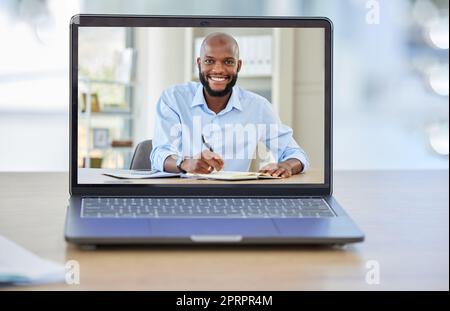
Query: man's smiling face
[219, 65]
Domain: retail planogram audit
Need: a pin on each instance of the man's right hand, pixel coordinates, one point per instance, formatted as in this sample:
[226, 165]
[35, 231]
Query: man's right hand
[203, 163]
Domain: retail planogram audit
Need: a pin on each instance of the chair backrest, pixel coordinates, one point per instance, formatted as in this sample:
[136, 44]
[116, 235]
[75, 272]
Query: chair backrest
[141, 156]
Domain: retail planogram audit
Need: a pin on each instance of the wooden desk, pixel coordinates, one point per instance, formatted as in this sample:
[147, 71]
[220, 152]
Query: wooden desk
[403, 213]
[95, 176]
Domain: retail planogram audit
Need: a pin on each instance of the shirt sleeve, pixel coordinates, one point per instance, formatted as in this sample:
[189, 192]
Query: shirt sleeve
[279, 139]
[167, 134]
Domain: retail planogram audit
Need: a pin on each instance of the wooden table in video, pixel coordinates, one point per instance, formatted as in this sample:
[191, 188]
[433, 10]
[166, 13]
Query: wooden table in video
[95, 176]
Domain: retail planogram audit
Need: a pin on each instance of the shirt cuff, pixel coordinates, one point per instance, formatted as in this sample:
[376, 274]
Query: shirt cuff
[160, 158]
[303, 159]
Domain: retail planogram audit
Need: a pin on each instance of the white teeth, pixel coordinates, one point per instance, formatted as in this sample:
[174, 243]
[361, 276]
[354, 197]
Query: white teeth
[219, 79]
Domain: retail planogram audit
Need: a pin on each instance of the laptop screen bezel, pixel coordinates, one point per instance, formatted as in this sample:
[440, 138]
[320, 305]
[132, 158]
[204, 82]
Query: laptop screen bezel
[89, 20]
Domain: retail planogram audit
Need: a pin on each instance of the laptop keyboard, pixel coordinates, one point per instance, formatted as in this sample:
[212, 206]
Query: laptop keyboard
[144, 207]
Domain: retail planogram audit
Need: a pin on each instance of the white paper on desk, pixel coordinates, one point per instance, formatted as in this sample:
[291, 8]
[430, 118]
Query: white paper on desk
[136, 174]
[230, 175]
[20, 266]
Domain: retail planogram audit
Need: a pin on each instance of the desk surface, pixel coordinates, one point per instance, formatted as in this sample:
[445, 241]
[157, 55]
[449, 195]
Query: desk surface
[95, 176]
[404, 214]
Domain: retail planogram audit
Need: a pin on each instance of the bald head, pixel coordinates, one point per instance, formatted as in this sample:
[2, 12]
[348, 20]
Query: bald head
[219, 64]
[219, 39]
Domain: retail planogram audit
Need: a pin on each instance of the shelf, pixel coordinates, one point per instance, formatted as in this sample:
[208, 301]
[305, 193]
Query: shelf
[112, 148]
[112, 109]
[124, 114]
[106, 114]
[113, 82]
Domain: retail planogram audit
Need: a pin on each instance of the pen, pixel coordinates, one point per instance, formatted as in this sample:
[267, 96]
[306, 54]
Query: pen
[206, 144]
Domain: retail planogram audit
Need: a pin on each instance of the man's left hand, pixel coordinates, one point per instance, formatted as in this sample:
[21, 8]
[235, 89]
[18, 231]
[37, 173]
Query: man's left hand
[277, 170]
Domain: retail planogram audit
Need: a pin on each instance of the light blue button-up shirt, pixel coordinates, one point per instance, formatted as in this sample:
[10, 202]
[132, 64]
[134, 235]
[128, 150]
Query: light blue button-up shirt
[183, 116]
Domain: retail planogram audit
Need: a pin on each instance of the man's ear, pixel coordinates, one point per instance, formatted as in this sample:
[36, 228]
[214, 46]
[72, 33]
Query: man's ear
[198, 60]
[239, 65]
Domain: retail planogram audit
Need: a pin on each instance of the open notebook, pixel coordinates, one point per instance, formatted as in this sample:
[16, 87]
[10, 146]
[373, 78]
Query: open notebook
[229, 175]
[139, 174]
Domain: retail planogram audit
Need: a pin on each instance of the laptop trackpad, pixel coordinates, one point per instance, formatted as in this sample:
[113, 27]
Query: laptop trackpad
[212, 227]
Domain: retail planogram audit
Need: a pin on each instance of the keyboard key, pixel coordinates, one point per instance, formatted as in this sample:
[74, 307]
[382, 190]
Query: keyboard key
[204, 207]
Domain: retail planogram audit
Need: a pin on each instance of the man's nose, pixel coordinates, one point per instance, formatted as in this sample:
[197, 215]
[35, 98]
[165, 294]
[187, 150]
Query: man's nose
[218, 67]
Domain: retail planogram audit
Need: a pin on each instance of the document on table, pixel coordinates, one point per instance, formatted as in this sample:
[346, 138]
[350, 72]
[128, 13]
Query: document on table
[140, 174]
[20, 266]
[231, 176]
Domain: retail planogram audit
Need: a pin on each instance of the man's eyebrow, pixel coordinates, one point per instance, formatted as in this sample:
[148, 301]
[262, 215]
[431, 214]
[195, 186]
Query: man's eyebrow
[228, 57]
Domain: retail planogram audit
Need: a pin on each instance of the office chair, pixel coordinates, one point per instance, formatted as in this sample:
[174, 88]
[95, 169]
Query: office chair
[141, 156]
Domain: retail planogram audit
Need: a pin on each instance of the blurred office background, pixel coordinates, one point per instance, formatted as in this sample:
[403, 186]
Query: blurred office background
[390, 76]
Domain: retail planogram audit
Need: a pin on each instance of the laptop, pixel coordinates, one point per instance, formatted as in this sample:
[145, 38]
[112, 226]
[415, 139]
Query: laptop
[202, 130]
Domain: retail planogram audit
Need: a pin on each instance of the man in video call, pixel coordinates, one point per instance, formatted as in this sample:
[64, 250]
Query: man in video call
[184, 112]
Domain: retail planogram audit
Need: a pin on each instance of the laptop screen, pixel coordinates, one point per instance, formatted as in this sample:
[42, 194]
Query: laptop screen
[201, 105]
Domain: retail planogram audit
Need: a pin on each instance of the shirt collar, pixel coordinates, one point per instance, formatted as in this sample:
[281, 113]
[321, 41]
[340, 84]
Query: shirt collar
[233, 102]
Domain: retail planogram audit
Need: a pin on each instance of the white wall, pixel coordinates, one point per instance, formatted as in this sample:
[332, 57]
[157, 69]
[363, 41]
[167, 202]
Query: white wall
[159, 66]
[34, 142]
[309, 89]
